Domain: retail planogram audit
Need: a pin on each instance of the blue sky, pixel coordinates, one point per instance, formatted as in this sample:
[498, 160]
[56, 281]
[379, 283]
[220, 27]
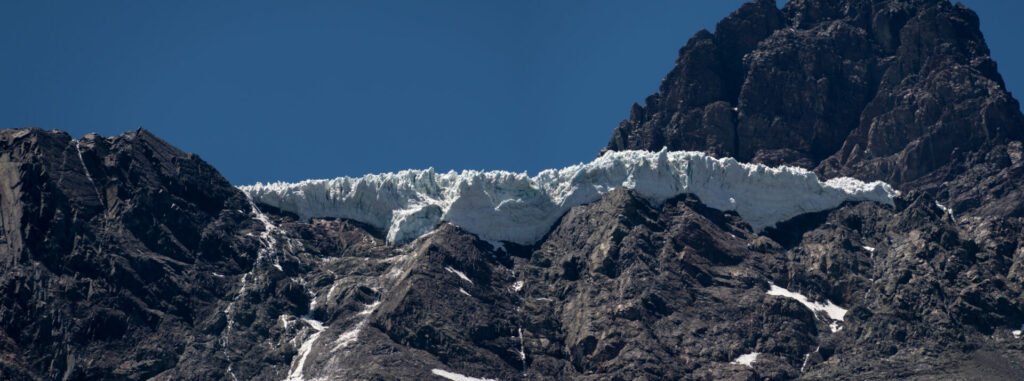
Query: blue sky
[274, 90]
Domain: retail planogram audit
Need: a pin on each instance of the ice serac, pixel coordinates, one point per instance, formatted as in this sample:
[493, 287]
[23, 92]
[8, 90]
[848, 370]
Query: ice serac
[515, 207]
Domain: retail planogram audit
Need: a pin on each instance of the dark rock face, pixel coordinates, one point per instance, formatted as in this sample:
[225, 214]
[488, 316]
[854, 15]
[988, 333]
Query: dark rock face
[110, 248]
[125, 258]
[901, 91]
[123, 287]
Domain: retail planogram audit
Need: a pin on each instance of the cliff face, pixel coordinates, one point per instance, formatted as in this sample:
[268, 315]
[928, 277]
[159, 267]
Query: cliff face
[901, 91]
[125, 258]
[110, 248]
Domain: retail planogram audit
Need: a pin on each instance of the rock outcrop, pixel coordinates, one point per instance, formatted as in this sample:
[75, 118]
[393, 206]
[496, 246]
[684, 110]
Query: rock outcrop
[902, 91]
[125, 258]
[112, 250]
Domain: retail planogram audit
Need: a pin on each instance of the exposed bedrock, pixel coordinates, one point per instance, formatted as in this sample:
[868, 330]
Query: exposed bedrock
[899, 91]
[125, 258]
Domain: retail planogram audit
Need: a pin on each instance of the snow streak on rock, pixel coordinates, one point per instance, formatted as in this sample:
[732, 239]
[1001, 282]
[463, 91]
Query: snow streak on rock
[295, 373]
[514, 207]
[267, 250]
[948, 211]
[88, 175]
[461, 274]
[456, 376]
[834, 312]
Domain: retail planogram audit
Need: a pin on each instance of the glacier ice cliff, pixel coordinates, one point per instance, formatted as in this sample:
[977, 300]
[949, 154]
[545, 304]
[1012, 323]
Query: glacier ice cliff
[514, 207]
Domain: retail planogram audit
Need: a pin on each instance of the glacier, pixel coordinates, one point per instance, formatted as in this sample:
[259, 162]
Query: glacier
[515, 207]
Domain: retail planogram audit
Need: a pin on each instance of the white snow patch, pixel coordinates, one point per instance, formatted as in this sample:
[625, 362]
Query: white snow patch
[334, 288]
[315, 324]
[747, 359]
[351, 336]
[348, 337]
[459, 273]
[395, 272]
[307, 346]
[514, 207]
[518, 285]
[831, 310]
[369, 308]
[464, 292]
[948, 211]
[1016, 333]
[285, 321]
[456, 376]
[834, 326]
[869, 248]
[295, 372]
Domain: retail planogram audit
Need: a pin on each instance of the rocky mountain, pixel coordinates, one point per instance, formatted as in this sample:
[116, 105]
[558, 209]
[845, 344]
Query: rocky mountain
[126, 258]
[900, 91]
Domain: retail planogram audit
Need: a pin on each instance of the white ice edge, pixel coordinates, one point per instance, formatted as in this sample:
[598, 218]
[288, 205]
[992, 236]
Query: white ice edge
[514, 207]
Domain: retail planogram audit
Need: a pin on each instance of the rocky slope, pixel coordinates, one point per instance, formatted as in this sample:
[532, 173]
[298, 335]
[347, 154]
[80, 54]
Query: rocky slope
[112, 249]
[125, 258]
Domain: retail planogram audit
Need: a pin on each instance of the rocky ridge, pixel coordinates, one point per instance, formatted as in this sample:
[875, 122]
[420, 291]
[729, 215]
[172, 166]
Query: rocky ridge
[901, 91]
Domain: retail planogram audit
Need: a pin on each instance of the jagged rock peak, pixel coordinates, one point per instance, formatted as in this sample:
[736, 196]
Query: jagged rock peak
[894, 90]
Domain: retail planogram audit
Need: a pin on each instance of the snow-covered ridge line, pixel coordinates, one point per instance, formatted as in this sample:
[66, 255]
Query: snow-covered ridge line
[514, 207]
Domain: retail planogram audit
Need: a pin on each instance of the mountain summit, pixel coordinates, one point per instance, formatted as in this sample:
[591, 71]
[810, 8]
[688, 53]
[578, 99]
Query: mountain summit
[902, 91]
[128, 259]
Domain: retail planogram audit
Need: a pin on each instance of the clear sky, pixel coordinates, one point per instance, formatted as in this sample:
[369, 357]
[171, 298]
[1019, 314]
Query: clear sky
[289, 90]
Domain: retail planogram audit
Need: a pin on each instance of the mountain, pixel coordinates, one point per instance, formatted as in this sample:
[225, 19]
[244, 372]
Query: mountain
[899, 91]
[126, 258]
